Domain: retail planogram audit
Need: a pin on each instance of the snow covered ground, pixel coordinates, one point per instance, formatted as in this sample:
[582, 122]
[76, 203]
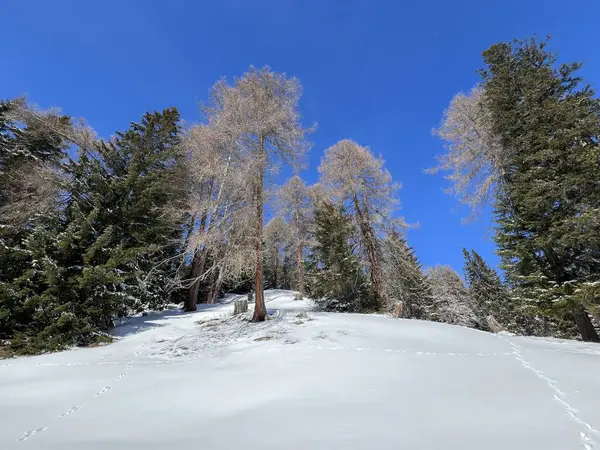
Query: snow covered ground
[319, 381]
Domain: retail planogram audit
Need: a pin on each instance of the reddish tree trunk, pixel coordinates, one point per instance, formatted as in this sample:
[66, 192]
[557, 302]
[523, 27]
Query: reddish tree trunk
[260, 310]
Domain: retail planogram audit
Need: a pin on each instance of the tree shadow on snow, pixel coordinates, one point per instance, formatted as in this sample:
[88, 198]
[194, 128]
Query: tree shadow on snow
[138, 324]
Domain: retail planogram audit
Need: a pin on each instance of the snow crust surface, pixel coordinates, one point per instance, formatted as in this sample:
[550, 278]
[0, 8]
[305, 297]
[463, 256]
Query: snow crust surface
[322, 381]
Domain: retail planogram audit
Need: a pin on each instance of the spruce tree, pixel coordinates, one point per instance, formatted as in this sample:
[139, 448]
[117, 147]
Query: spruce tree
[337, 282]
[547, 210]
[28, 153]
[124, 210]
[110, 249]
[488, 295]
[146, 166]
[404, 278]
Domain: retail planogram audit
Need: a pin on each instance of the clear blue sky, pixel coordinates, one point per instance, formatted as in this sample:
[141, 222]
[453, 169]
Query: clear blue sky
[378, 72]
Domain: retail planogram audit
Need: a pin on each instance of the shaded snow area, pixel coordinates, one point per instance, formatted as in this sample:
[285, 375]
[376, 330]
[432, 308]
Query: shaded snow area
[207, 380]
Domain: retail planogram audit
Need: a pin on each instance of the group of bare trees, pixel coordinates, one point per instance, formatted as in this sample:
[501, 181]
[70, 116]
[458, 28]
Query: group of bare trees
[250, 128]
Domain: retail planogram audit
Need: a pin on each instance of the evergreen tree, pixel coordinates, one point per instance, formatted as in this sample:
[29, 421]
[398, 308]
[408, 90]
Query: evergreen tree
[547, 209]
[141, 208]
[488, 295]
[404, 279]
[108, 250]
[336, 280]
[29, 155]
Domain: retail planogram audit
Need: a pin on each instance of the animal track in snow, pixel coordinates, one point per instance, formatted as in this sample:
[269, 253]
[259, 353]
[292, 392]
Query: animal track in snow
[386, 350]
[103, 391]
[106, 388]
[586, 441]
[30, 433]
[69, 412]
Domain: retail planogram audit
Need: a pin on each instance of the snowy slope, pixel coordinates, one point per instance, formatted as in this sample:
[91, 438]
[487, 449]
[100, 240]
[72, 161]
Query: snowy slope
[326, 381]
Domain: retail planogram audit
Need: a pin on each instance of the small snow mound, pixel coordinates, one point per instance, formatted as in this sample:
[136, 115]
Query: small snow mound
[506, 333]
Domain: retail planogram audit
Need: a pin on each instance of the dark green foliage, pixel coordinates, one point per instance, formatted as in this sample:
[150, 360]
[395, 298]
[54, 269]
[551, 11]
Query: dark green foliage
[404, 278]
[110, 249]
[141, 208]
[25, 148]
[335, 278]
[488, 295]
[548, 207]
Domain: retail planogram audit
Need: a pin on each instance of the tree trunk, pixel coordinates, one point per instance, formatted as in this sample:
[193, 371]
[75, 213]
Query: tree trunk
[240, 307]
[260, 310]
[585, 326]
[371, 248]
[216, 288]
[398, 312]
[276, 272]
[197, 264]
[191, 300]
[300, 271]
[493, 324]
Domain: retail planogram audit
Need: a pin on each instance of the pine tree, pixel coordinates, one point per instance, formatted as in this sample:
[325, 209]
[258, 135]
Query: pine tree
[547, 210]
[404, 278]
[336, 280]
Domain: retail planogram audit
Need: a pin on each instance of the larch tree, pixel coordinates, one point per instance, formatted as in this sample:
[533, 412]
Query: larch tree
[277, 239]
[260, 112]
[451, 301]
[295, 205]
[474, 153]
[357, 179]
[218, 191]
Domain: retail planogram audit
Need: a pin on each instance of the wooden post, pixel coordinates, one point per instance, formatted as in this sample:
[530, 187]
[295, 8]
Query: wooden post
[398, 312]
[240, 307]
[494, 325]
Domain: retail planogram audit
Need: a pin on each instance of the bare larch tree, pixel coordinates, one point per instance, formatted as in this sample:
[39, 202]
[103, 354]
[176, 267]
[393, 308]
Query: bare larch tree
[474, 153]
[260, 113]
[295, 204]
[358, 179]
[218, 193]
[276, 238]
[451, 299]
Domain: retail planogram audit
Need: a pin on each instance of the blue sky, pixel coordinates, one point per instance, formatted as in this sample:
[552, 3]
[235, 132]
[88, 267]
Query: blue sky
[378, 72]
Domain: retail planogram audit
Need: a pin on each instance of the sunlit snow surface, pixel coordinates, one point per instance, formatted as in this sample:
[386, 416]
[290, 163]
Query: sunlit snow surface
[321, 381]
